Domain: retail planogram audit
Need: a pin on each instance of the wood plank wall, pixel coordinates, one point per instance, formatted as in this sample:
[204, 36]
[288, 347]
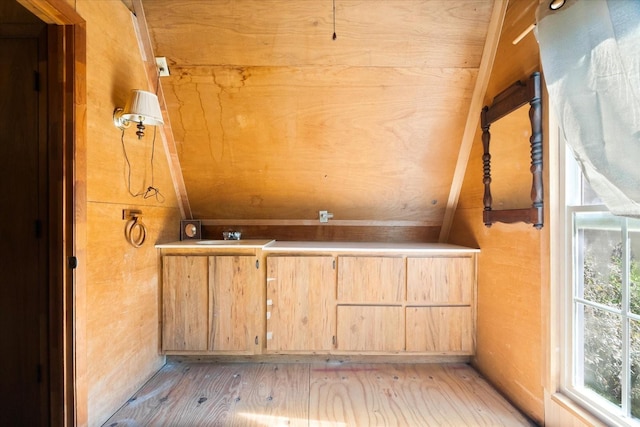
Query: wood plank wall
[275, 120]
[120, 320]
[513, 265]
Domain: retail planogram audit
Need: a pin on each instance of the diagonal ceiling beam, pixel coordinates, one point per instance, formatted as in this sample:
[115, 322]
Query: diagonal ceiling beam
[473, 118]
[165, 131]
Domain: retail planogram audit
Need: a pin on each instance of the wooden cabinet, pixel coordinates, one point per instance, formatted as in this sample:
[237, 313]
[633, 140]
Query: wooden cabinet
[406, 304]
[347, 302]
[366, 328]
[366, 321]
[363, 304]
[209, 303]
[440, 310]
[439, 329]
[233, 282]
[185, 296]
[440, 280]
[373, 279]
[300, 303]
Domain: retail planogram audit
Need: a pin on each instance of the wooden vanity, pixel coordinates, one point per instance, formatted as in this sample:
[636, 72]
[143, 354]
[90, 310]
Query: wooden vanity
[260, 297]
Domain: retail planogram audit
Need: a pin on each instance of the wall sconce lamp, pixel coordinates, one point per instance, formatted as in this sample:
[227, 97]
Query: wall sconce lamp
[143, 108]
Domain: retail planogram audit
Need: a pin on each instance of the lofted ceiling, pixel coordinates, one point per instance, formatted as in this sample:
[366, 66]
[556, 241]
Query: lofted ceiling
[273, 119]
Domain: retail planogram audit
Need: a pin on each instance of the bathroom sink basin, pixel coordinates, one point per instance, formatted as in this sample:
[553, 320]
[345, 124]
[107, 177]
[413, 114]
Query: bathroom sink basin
[220, 242]
[247, 243]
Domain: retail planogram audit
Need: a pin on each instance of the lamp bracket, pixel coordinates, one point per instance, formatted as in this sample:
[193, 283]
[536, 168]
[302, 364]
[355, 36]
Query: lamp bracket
[118, 120]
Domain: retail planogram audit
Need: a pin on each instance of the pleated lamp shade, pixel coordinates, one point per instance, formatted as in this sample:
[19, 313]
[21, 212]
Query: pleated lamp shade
[144, 107]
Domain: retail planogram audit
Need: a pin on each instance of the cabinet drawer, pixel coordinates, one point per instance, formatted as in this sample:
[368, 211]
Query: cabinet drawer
[370, 328]
[439, 329]
[440, 280]
[371, 279]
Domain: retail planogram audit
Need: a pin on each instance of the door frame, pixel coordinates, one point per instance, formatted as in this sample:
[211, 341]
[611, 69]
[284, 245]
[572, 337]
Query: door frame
[67, 213]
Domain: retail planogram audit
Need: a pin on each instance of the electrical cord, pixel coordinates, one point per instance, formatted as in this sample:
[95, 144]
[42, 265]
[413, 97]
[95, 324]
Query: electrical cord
[150, 191]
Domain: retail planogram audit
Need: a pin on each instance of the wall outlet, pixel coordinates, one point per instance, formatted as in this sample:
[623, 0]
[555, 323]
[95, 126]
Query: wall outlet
[324, 216]
[163, 67]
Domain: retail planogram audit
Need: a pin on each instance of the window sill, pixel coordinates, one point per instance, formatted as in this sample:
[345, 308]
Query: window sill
[560, 410]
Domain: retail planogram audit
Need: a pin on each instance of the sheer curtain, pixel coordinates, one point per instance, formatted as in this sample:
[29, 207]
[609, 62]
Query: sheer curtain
[590, 51]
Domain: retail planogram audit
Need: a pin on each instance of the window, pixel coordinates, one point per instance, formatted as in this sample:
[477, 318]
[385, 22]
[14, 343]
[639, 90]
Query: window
[602, 311]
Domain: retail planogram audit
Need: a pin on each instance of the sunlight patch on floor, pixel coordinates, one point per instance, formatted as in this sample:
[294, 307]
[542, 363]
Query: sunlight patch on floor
[275, 421]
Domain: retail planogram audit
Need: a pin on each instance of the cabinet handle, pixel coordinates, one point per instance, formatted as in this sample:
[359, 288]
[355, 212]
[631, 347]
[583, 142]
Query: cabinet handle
[256, 340]
[257, 264]
[334, 340]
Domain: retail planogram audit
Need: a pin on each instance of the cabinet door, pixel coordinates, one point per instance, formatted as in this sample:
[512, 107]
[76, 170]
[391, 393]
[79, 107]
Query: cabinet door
[233, 282]
[184, 302]
[439, 329]
[371, 279]
[440, 280]
[370, 328]
[300, 303]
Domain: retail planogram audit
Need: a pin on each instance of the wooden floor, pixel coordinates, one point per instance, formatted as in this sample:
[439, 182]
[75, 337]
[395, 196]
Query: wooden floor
[304, 394]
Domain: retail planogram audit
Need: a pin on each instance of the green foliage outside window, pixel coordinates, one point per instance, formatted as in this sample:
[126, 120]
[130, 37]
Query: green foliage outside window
[603, 329]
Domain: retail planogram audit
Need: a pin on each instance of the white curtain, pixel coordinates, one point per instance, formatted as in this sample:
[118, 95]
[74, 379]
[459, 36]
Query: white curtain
[590, 51]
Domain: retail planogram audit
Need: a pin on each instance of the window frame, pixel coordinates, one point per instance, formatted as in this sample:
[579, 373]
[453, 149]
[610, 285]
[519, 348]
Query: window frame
[570, 194]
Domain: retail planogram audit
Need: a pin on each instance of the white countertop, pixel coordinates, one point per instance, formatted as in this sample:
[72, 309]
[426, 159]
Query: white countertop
[213, 244]
[312, 246]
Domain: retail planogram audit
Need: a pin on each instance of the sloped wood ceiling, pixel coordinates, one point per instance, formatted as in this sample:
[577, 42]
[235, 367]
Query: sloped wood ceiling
[273, 119]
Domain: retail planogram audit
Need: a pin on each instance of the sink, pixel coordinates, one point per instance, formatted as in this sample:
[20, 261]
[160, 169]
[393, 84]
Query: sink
[220, 242]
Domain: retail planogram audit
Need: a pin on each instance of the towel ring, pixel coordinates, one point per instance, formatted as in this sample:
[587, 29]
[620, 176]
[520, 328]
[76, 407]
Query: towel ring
[135, 232]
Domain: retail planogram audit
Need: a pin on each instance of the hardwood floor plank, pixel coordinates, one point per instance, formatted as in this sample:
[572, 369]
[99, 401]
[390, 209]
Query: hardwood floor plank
[406, 395]
[187, 393]
[183, 395]
[208, 398]
[273, 394]
[203, 394]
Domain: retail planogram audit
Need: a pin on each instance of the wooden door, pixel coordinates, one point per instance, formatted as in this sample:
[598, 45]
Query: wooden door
[233, 293]
[185, 303]
[24, 314]
[301, 293]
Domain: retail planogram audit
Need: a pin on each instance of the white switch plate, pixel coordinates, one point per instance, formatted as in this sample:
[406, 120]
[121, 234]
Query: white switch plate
[163, 67]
